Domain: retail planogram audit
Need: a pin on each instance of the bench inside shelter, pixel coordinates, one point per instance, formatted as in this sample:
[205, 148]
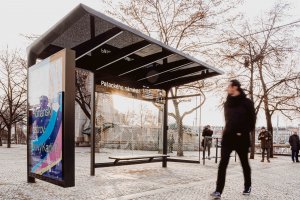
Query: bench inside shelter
[139, 157]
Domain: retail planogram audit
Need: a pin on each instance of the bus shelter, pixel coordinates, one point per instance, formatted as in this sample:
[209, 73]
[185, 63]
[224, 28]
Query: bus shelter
[118, 57]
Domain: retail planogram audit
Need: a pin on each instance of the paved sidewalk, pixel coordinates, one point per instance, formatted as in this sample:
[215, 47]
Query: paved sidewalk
[278, 180]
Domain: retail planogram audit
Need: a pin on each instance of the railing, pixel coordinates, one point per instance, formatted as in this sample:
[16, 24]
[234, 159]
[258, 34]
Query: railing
[217, 146]
[278, 149]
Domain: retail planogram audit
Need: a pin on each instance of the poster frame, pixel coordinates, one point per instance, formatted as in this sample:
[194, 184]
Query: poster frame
[68, 122]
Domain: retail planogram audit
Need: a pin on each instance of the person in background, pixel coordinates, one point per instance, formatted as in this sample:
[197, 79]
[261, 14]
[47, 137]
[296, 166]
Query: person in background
[207, 141]
[240, 120]
[171, 143]
[265, 138]
[295, 146]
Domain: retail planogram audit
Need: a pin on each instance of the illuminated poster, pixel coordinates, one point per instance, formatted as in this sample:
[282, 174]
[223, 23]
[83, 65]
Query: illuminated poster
[45, 99]
[51, 107]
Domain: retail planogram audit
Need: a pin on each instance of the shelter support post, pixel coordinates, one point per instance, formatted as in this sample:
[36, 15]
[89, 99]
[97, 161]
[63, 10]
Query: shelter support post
[31, 60]
[165, 131]
[93, 127]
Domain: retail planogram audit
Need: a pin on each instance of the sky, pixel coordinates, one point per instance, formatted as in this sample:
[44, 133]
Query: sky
[19, 17]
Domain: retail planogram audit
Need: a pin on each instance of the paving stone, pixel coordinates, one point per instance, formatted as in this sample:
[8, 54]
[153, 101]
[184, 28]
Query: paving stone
[278, 180]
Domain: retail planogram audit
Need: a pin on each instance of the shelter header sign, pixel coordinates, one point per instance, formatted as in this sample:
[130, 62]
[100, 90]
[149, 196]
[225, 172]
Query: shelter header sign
[142, 94]
[47, 92]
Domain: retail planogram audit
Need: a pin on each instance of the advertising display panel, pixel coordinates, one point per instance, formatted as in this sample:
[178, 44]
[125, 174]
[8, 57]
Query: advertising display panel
[51, 145]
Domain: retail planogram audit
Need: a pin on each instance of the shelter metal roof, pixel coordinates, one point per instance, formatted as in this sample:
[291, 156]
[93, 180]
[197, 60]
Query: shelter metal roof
[119, 54]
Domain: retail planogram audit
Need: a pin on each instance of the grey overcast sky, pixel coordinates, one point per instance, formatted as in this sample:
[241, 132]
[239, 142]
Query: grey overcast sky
[36, 16]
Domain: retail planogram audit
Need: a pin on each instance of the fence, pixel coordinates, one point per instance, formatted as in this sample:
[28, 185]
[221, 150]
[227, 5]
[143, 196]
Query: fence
[209, 142]
[279, 149]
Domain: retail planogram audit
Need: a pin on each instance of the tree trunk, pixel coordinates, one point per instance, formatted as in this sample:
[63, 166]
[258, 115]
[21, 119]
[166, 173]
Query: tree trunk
[270, 129]
[268, 114]
[8, 136]
[97, 131]
[16, 135]
[97, 140]
[83, 108]
[252, 152]
[1, 137]
[180, 138]
[179, 128]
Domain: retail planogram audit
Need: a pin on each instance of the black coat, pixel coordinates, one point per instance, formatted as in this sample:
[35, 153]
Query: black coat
[265, 138]
[294, 142]
[207, 133]
[240, 120]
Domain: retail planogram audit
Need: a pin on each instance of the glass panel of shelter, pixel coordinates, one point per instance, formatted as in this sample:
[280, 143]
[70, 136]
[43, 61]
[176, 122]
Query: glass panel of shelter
[188, 149]
[129, 122]
[127, 125]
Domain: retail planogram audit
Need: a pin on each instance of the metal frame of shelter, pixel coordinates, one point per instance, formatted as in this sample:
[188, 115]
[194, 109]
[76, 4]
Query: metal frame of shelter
[121, 55]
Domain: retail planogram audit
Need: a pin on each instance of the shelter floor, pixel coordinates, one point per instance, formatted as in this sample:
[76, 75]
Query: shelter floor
[279, 179]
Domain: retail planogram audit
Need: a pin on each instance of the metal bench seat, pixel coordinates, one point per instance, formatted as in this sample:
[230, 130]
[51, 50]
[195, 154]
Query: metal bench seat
[150, 157]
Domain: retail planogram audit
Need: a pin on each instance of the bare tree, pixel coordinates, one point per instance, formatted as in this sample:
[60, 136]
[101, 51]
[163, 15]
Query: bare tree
[13, 89]
[183, 24]
[197, 88]
[83, 92]
[2, 126]
[262, 55]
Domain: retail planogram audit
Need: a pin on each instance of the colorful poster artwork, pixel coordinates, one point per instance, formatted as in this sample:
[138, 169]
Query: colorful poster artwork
[45, 100]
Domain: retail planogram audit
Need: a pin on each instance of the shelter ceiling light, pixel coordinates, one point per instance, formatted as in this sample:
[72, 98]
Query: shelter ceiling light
[123, 57]
[202, 72]
[165, 71]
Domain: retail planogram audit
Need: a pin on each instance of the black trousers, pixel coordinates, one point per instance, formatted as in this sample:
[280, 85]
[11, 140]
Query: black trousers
[207, 147]
[263, 153]
[295, 154]
[225, 156]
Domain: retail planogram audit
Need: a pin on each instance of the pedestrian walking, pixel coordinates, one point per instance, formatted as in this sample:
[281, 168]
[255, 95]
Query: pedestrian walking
[295, 146]
[239, 122]
[207, 140]
[265, 138]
